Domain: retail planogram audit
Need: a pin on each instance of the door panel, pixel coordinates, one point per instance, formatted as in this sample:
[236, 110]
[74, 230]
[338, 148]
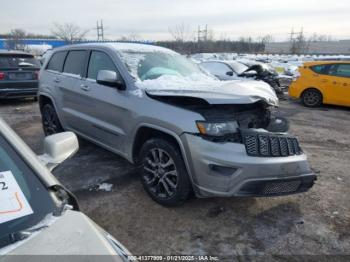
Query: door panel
[340, 83]
[67, 84]
[103, 108]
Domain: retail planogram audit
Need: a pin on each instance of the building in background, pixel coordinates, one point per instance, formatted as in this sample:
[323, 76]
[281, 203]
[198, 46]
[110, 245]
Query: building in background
[341, 47]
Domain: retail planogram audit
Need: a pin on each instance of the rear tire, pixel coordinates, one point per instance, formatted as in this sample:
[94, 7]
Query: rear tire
[163, 172]
[312, 98]
[50, 121]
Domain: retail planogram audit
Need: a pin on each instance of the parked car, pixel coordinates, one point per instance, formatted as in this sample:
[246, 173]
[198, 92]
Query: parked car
[45, 55]
[19, 73]
[185, 130]
[229, 70]
[39, 216]
[325, 82]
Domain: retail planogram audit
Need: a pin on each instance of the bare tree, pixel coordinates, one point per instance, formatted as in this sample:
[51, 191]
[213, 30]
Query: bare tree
[16, 40]
[69, 32]
[266, 39]
[299, 44]
[130, 38]
[181, 33]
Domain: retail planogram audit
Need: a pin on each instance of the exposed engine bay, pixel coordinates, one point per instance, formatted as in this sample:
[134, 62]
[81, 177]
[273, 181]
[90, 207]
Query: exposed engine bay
[256, 115]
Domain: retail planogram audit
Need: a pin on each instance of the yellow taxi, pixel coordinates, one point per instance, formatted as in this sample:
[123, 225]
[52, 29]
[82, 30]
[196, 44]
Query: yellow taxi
[325, 82]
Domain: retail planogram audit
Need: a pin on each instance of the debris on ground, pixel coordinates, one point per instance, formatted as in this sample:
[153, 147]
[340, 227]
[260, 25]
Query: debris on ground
[101, 187]
[105, 187]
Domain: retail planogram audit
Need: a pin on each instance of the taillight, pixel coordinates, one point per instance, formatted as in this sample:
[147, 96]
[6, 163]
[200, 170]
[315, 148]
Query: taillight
[36, 75]
[2, 75]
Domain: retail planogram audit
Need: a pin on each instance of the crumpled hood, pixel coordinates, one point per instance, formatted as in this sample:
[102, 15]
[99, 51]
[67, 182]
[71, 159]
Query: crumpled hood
[219, 92]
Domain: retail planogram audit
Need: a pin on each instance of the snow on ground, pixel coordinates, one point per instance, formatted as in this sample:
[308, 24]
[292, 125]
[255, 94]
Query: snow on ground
[105, 187]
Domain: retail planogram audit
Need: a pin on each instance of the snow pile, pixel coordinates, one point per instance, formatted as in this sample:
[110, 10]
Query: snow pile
[132, 61]
[139, 48]
[132, 55]
[200, 82]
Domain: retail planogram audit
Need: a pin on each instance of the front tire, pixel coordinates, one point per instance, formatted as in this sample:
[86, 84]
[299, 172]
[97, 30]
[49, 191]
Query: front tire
[311, 98]
[163, 172]
[50, 121]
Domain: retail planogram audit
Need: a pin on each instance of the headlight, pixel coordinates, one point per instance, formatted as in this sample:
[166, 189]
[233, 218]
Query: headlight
[217, 129]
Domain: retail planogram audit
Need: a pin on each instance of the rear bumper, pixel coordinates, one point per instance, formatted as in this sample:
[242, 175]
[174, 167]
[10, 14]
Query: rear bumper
[225, 169]
[18, 92]
[294, 90]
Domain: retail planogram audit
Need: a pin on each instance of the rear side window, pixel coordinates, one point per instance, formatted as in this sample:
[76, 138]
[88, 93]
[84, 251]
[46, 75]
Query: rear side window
[56, 61]
[320, 69]
[75, 62]
[99, 61]
[341, 70]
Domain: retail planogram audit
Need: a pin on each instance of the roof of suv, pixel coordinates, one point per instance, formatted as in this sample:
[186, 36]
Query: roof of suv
[122, 46]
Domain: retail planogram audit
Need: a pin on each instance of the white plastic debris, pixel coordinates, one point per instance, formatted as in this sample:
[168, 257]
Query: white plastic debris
[105, 187]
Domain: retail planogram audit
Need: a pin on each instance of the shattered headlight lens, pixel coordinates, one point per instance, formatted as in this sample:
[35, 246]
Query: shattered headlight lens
[217, 129]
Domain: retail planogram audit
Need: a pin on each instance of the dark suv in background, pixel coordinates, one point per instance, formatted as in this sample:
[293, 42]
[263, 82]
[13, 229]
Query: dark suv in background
[19, 74]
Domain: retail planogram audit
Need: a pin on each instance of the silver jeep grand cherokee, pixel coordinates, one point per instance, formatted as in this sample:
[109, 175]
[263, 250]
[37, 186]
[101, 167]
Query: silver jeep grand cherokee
[186, 130]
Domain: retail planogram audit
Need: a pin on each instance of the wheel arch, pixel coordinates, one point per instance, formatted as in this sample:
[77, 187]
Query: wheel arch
[312, 88]
[315, 90]
[146, 132]
[44, 99]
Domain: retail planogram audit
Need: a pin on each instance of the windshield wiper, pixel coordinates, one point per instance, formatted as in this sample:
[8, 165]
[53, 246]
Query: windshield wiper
[12, 238]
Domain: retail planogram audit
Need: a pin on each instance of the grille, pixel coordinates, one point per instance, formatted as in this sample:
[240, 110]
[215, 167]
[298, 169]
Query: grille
[280, 187]
[277, 187]
[267, 145]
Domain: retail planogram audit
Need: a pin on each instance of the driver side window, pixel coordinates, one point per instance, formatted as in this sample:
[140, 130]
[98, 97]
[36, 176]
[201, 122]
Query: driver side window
[99, 61]
[216, 68]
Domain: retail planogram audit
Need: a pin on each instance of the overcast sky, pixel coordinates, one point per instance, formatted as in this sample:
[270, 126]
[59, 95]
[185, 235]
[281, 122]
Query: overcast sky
[151, 19]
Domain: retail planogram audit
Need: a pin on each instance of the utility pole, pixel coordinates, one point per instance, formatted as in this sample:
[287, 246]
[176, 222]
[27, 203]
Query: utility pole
[297, 41]
[202, 33]
[100, 31]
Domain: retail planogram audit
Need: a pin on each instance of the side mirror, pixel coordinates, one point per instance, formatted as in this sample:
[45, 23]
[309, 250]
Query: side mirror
[229, 73]
[110, 78]
[251, 73]
[58, 148]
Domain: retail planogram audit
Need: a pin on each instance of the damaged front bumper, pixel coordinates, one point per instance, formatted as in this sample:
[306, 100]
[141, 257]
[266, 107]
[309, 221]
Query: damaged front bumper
[226, 169]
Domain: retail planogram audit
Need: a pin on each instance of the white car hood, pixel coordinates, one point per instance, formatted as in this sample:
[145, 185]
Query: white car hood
[213, 91]
[71, 234]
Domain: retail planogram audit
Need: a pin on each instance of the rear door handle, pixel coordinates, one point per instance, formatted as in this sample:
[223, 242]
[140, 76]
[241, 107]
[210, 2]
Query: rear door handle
[85, 87]
[324, 81]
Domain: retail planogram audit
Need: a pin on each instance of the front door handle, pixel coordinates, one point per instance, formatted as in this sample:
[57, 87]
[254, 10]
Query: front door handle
[85, 87]
[345, 84]
[56, 80]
